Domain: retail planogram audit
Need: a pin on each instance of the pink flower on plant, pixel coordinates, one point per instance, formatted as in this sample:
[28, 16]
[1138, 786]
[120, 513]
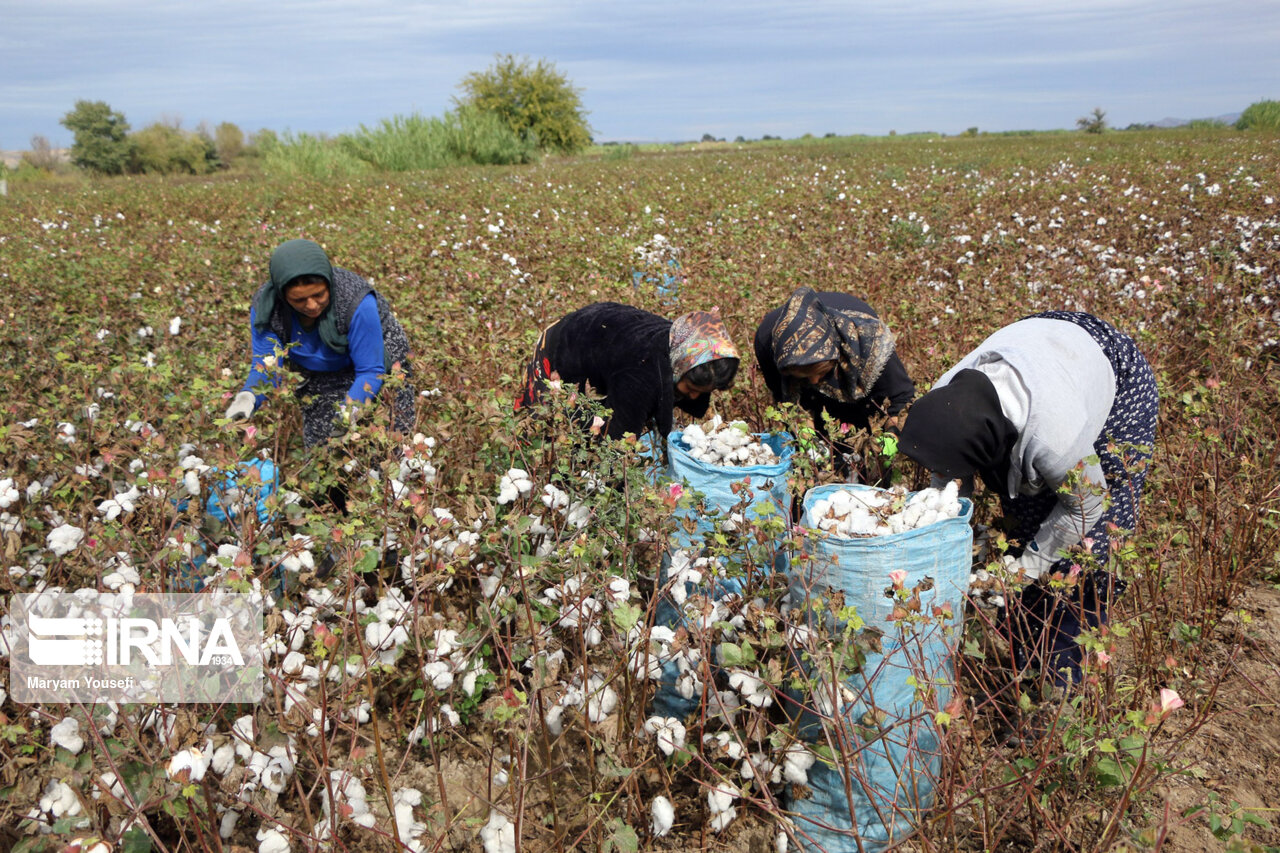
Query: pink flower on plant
[250, 431]
[1103, 658]
[597, 424]
[1075, 570]
[1170, 700]
[897, 577]
[675, 490]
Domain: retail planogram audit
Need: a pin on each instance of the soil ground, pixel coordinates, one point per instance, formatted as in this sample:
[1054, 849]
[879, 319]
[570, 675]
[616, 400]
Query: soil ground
[1235, 755]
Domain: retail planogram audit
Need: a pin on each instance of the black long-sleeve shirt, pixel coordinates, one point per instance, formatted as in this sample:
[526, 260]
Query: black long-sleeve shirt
[893, 384]
[625, 354]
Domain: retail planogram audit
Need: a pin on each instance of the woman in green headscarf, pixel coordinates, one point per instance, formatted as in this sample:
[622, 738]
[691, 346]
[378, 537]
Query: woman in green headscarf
[341, 334]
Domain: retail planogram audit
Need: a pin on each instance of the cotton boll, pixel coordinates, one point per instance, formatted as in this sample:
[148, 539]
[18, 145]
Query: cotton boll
[64, 539]
[272, 841]
[8, 493]
[721, 820]
[499, 834]
[663, 816]
[188, 765]
[66, 734]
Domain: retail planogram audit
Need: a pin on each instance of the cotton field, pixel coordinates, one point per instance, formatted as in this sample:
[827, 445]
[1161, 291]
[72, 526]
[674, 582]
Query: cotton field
[462, 627]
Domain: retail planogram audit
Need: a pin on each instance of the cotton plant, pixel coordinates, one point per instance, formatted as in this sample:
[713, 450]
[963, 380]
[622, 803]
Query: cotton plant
[9, 493]
[662, 815]
[730, 444]
[498, 835]
[59, 802]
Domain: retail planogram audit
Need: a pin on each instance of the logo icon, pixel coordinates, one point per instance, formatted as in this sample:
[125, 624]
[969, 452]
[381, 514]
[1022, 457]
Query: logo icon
[74, 641]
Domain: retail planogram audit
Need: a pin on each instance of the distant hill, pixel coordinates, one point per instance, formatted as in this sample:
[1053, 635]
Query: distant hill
[1229, 118]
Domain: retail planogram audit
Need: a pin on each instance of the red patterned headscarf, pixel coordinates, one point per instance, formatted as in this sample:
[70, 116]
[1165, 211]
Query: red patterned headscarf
[697, 338]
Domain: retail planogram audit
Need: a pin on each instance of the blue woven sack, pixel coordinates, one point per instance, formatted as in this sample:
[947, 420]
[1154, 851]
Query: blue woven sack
[236, 490]
[762, 491]
[897, 758]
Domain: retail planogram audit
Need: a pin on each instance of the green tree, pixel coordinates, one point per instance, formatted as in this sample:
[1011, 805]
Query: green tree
[101, 137]
[534, 99]
[1263, 115]
[166, 150]
[1095, 122]
[229, 140]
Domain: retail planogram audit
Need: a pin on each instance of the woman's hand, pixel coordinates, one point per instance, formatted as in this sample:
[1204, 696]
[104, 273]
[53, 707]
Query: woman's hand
[241, 407]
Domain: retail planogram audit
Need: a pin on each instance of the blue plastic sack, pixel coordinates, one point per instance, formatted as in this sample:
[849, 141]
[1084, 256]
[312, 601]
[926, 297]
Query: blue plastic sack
[896, 767]
[766, 494]
[228, 495]
[667, 286]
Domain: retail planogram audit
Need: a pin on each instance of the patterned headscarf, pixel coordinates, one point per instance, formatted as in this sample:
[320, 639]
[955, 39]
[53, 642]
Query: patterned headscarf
[697, 338]
[807, 332]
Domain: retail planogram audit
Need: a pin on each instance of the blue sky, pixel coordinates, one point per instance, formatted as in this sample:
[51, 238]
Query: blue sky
[652, 71]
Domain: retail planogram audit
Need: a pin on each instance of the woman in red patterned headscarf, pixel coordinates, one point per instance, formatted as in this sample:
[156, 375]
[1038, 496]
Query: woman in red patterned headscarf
[642, 364]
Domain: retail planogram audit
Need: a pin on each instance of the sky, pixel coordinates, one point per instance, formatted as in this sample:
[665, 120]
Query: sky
[654, 71]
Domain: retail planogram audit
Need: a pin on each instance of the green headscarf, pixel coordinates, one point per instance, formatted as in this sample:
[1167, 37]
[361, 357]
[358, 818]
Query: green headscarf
[290, 260]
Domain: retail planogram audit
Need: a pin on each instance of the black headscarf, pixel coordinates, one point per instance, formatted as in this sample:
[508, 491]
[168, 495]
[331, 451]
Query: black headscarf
[959, 429]
[807, 332]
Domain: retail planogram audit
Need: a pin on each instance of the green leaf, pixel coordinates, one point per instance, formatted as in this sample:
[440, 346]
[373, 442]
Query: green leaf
[136, 840]
[1109, 772]
[622, 838]
[625, 616]
[730, 654]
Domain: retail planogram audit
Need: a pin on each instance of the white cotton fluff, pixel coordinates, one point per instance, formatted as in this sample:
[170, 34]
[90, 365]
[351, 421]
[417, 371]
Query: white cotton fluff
[272, 841]
[66, 734]
[8, 493]
[667, 731]
[752, 688]
[64, 539]
[726, 444]
[796, 763]
[175, 325]
[499, 834]
[59, 799]
[720, 803]
[663, 816]
[122, 504]
[514, 484]
[188, 765]
[851, 514]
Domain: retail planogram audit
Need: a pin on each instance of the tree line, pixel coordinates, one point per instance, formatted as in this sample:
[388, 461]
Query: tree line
[520, 107]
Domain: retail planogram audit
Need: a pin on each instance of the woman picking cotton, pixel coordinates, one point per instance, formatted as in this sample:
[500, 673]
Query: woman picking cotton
[832, 354]
[1057, 414]
[642, 364]
[340, 336]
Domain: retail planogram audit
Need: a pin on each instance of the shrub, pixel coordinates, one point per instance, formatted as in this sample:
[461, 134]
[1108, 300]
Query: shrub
[228, 139]
[1262, 115]
[166, 150]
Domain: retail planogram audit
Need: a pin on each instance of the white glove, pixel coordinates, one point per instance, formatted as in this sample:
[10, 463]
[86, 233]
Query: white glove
[1033, 563]
[242, 406]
